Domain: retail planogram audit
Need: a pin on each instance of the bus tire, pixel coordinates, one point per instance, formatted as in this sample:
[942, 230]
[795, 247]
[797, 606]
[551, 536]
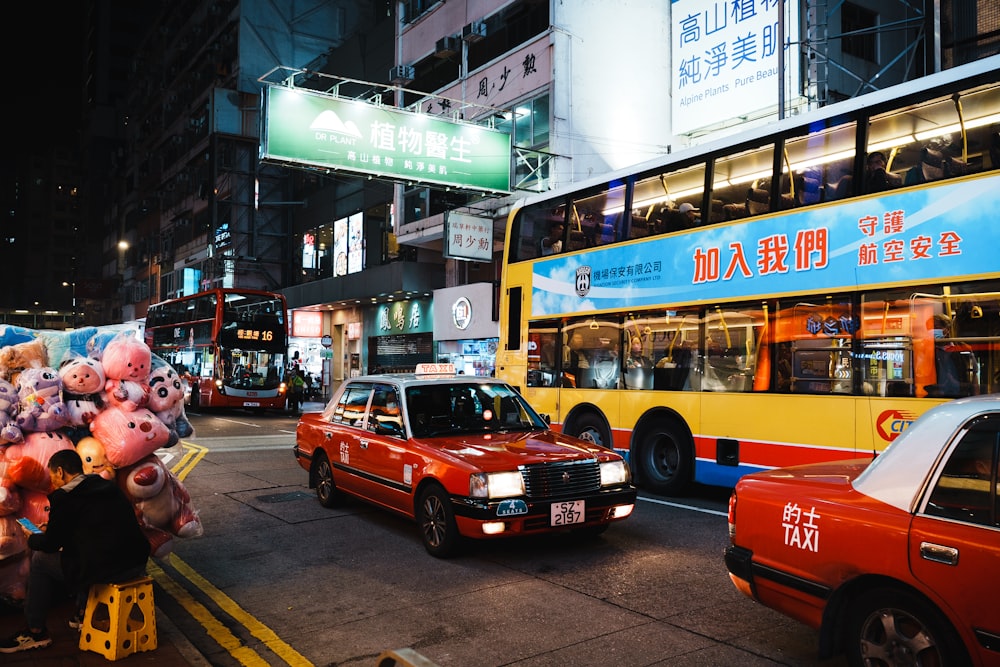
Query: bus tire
[195, 397]
[589, 427]
[663, 457]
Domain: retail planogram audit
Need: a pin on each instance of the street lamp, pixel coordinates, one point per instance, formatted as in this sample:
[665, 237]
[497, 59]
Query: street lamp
[73, 285]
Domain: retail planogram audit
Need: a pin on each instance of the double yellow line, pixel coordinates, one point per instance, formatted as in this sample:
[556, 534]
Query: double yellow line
[215, 628]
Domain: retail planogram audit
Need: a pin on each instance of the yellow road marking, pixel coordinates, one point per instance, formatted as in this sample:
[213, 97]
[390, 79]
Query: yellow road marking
[216, 629]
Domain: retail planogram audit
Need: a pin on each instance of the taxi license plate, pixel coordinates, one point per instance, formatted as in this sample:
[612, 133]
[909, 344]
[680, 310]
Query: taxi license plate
[251, 404]
[564, 514]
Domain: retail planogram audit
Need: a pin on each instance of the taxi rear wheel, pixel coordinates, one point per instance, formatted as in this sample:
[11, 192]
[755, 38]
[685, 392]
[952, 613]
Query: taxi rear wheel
[437, 522]
[896, 627]
[326, 489]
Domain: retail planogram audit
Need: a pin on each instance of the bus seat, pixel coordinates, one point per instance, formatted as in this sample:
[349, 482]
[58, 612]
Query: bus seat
[639, 227]
[758, 201]
[577, 240]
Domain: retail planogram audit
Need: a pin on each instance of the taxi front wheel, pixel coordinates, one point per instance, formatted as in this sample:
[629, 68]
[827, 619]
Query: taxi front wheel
[437, 522]
[896, 627]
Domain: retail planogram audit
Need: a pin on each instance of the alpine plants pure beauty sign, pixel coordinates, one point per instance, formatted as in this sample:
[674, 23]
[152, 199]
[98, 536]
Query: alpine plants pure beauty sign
[305, 127]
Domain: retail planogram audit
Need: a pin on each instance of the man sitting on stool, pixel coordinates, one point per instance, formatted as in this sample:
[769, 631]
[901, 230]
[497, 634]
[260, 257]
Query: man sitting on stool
[92, 537]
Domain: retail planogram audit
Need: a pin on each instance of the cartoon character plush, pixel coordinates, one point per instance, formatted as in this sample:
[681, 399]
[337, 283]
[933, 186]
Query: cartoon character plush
[41, 407]
[10, 403]
[166, 400]
[95, 461]
[161, 501]
[15, 358]
[128, 436]
[126, 361]
[83, 383]
[27, 462]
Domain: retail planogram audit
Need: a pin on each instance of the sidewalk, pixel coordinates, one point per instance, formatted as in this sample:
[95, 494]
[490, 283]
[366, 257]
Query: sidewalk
[173, 649]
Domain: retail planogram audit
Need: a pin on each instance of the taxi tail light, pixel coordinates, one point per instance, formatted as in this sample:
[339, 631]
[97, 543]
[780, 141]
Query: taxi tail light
[732, 517]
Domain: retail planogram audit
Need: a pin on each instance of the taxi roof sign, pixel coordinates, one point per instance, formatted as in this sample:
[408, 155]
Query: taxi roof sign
[435, 369]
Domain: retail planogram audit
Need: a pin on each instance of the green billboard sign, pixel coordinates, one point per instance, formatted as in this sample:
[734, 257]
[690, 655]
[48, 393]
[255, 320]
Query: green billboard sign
[305, 127]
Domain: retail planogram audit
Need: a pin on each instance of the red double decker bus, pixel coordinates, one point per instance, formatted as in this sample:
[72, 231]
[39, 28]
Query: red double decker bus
[231, 344]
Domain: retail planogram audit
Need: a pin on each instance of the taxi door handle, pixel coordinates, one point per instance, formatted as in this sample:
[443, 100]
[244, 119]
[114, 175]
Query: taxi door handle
[363, 443]
[329, 435]
[939, 553]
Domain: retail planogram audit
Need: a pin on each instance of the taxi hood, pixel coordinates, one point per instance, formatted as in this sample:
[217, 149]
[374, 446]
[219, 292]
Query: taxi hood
[504, 449]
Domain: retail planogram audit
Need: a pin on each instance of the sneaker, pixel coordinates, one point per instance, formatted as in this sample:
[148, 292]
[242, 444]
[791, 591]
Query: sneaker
[23, 640]
[76, 622]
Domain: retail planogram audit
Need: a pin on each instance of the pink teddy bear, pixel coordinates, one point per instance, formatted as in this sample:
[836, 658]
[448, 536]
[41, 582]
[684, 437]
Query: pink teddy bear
[161, 502]
[127, 364]
[128, 436]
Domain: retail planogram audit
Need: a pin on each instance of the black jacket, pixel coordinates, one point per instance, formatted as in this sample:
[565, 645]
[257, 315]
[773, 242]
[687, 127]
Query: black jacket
[96, 527]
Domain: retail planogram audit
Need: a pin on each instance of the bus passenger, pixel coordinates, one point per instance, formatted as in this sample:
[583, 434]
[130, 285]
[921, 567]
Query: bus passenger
[877, 179]
[552, 243]
[576, 361]
[636, 359]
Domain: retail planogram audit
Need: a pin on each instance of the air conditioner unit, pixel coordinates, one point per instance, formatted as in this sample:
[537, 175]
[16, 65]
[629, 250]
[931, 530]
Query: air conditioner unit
[474, 31]
[448, 46]
[400, 75]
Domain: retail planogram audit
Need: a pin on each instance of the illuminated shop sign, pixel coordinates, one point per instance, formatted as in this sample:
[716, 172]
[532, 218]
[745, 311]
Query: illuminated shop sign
[307, 324]
[725, 57]
[323, 131]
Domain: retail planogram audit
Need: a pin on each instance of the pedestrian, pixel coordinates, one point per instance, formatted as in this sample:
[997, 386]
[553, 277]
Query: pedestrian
[296, 390]
[92, 537]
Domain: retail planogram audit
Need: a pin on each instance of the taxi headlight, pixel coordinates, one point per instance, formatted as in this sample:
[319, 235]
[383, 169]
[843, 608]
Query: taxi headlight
[613, 473]
[496, 485]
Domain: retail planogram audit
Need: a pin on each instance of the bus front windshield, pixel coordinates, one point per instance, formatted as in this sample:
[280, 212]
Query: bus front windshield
[251, 369]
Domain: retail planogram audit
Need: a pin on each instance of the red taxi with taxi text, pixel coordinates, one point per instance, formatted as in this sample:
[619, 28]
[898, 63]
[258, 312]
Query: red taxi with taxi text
[464, 456]
[895, 561]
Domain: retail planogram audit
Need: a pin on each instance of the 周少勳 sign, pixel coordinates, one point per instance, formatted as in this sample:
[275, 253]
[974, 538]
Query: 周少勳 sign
[322, 131]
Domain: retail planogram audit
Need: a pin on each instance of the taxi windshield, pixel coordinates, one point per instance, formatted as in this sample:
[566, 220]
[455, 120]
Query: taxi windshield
[448, 409]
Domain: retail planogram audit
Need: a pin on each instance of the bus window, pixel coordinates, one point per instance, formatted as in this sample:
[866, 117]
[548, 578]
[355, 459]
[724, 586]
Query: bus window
[944, 138]
[729, 356]
[591, 354]
[598, 217]
[534, 223]
[818, 162]
[741, 185]
[657, 200]
[813, 347]
[670, 341]
[543, 354]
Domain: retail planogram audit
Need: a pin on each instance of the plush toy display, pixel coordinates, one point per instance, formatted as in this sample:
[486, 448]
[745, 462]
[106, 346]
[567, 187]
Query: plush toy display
[41, 407]
[108, 401]
[160, 499]
[16, 358]
[10, 403]
[128, 436]
[127, 363]
[95, 461]
[83, 383]
[166, 400]
[27, 462]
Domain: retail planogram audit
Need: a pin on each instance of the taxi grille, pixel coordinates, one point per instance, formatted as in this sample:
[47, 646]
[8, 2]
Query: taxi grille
[555, 480]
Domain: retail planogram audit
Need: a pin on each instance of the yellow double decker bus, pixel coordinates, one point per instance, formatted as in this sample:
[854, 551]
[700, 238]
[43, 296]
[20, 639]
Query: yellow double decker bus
[795, 294]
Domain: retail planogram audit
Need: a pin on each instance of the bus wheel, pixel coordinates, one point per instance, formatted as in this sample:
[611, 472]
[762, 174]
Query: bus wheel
[195, 397]
[662, 457]
[590, 428]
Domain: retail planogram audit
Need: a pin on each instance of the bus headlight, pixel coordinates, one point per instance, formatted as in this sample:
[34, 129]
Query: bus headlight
[496, 485]
[613, 473]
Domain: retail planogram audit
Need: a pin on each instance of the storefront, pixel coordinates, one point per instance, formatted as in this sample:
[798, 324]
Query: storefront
[400, 336]
[465, 329]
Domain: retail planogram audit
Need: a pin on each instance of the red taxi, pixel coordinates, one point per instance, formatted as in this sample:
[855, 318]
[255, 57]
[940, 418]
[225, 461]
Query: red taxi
[465, 456]
[895, 561]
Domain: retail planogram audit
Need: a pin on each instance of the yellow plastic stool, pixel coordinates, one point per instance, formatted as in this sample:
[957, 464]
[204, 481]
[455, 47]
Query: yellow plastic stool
[120, 619]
